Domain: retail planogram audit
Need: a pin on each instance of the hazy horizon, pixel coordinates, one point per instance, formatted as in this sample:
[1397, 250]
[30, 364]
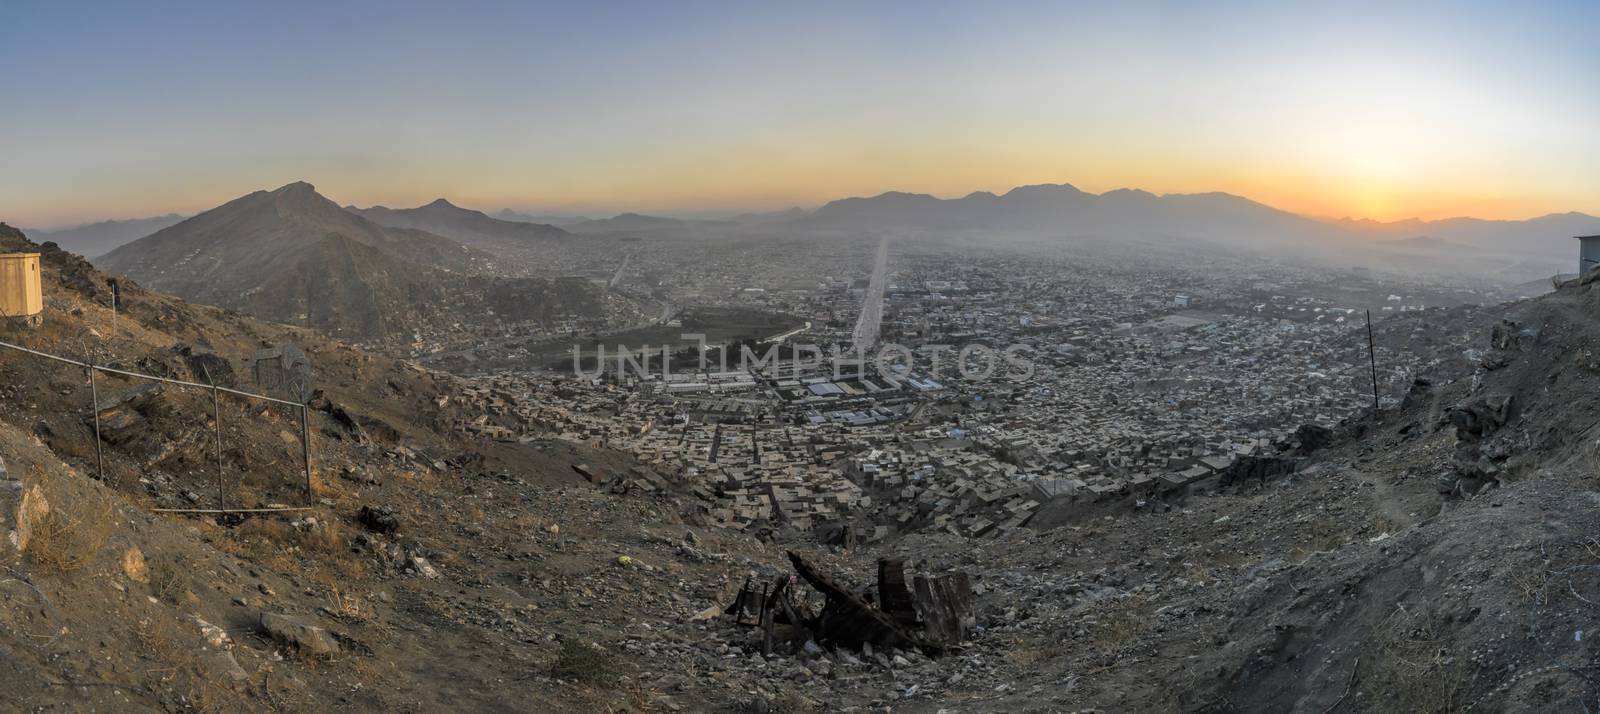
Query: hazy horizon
[691, 213]
[1379, 112]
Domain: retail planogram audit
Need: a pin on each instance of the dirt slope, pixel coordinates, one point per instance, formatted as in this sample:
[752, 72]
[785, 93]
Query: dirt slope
[444, 574]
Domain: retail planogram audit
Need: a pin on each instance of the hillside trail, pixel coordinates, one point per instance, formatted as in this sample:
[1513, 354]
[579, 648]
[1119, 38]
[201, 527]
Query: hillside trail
[1385, 500]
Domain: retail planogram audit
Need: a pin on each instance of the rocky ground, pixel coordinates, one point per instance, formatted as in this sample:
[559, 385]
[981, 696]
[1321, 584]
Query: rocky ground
[1438, 556]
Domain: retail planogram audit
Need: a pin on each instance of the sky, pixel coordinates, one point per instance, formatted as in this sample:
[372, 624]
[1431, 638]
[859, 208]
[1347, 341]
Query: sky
[1383, 110]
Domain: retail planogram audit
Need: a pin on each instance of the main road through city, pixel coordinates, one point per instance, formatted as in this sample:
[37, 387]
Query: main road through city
[865, 336]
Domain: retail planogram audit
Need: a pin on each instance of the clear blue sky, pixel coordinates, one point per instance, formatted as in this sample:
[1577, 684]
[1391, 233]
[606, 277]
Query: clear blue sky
[1369, 110]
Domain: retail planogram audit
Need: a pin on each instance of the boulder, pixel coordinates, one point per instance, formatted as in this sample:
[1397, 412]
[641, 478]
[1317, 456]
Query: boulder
[1312, 437]
[205, 366]
[379, 519]
[21, 509]
[134, 566]
[1480, 416]
[289, 632]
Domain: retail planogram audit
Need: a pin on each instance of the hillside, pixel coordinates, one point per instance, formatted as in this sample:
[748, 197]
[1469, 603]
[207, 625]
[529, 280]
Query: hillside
[1437, 556]
[483, 569]
[293, 256]
[519, 247]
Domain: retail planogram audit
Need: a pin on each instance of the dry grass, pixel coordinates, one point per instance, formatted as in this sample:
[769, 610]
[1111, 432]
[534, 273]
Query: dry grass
[1383, 524]
[72, 533]
[1197, 573]
[347, 606]
[1528, 581]
[326, 539]
[1117, 623]
[157, 640]
[279, 546]
[583, 662]
[177, 668]
[1024, 653]
[167, 579]
[1322, 535]
[1415, 668]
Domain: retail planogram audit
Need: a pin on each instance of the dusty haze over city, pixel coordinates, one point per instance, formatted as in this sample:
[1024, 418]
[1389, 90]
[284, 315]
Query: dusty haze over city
[1004, 357]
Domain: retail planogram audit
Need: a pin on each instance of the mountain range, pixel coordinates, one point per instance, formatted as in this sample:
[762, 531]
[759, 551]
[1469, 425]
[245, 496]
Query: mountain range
[554, 219]
[1061, 212]
[1510, 249]
[291, 255]
[1049, 213]
[466, 226]
[1545, 235]
[96, 239]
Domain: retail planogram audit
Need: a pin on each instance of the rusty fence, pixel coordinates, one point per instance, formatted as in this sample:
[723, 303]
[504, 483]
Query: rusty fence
[91, 368]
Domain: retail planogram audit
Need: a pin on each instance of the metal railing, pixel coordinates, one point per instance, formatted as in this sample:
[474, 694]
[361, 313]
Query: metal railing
[216, 403]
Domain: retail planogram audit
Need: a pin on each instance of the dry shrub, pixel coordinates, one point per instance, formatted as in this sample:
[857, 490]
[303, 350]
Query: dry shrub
[1383, 524]
[285, 547]
[1197, 573]
[583, 662]
[1416, 668]
[1529, 581]
[167, 579]
[265, 528]
[1323, 535]
[181, 673]
[1028, 652]
[1118, 622]
[325, 539]
[347, 606]
[159, 640]
[72, 533]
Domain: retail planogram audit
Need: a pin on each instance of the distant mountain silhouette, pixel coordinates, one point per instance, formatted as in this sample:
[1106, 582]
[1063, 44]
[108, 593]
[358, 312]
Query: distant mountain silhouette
[1061, 210]
[96, 239]
[554, 219]
[629, 223]
[1062, 213]
[291, 255]
[1548, 235]
[464, 225]
[791, 214]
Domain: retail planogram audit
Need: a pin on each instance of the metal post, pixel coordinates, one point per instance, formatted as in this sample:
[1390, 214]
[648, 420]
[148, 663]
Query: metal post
[305, 446]
[216, 416]
[1372, 357]
[99, 455]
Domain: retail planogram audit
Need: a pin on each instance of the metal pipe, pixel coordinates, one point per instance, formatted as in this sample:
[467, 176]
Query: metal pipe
[99, 454]
[153, 378]
[216, 392]
[216, 416]
[232, 510]
[1372, 356]
[305, 446]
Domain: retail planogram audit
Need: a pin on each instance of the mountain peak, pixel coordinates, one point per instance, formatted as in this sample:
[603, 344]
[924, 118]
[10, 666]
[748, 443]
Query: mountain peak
[301, 199]
[441, 203]
[1128, 193]
[1042, 189]
[296, 188]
